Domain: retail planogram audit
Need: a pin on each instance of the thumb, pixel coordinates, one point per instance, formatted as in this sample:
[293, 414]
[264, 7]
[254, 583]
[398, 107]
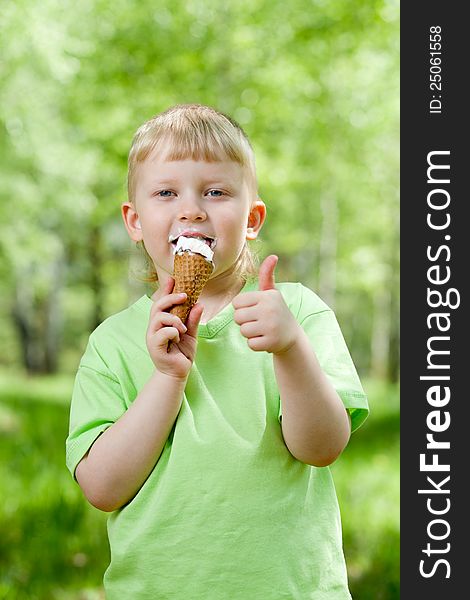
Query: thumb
[193, 319]
[164, 289]
[266, 273]
[169, 285]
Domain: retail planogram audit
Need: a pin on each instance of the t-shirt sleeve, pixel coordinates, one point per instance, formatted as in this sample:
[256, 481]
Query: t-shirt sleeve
[97, 402]
[322, 328]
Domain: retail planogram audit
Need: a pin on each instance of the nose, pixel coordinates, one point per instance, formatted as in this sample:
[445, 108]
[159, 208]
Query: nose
[191, 210]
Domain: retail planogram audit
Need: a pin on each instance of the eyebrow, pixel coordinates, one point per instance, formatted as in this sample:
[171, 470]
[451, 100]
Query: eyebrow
[208, 180]
[163, 181]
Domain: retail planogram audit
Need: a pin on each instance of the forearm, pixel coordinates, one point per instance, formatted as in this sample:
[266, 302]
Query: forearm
[122, 458]
[315, 424]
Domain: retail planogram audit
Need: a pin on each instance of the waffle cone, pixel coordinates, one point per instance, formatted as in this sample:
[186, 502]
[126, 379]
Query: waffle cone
[190, 272]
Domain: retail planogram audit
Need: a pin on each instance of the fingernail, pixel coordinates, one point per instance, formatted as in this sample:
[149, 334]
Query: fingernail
[185, 329]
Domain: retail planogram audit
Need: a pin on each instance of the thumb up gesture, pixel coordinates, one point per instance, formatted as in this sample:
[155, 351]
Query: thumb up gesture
[266, 273]
[264, 317]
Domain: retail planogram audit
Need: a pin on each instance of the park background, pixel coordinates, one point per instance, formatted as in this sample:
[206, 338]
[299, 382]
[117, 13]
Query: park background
[314, 83]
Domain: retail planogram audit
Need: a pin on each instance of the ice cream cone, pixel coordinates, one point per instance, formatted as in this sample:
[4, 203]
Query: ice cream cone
[190, 272]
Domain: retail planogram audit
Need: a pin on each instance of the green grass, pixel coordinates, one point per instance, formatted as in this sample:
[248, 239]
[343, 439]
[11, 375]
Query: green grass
[53, 545]
[367, 480]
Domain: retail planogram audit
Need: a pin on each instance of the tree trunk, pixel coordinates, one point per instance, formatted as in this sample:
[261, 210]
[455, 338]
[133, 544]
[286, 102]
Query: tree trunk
[394, 353]
[394, 342]
[385, 337]
[23, 313]
[394, 349]
[327, 250]
[381, 325]
[37, 318]
[53, 317]
[95, 253]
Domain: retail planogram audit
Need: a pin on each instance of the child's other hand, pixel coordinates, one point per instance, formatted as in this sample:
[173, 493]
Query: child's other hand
[171, 344]
[264, 317]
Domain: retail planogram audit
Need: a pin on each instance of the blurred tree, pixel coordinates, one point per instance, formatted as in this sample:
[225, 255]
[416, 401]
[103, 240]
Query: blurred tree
[315, 86]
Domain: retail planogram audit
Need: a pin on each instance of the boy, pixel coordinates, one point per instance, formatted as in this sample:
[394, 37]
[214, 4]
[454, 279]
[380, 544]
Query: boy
[210, 442]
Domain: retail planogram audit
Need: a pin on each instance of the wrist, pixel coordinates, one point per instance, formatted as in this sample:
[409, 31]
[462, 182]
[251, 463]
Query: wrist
[292, 345]
[169, 379]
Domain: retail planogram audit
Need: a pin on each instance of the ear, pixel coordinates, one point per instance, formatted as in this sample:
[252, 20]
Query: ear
[132, 221]
[255, 219]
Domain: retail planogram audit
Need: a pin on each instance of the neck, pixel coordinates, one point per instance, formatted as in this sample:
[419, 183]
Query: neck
[219, 292]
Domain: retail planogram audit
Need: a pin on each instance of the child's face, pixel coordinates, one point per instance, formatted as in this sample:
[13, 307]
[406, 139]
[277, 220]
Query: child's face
[210, 197]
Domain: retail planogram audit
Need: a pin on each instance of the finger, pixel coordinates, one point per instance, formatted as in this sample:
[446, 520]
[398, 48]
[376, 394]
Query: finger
[244, 315]
[251, 330]
[166, 302]
[161, 319]
[194, 318]
[163, 336]
[246, 299]
[169, 285]
[266, 273]
[258, 344]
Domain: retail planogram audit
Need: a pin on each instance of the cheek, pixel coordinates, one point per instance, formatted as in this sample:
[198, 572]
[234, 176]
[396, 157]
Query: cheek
[234, 226]
[153, 225]
[232, 238]
[155, 240]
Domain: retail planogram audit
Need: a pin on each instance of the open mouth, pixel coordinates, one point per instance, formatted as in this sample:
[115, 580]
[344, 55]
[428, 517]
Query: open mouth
[210, 241]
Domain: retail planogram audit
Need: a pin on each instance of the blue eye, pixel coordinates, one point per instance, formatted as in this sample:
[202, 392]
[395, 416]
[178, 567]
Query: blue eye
[164, 193]
[218, 192]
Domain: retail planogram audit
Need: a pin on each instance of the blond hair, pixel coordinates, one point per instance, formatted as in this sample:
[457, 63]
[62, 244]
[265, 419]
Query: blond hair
[196, 132]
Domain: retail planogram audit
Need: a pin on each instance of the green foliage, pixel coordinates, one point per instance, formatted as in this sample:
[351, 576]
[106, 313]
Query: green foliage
[314, 84]
[54, 546]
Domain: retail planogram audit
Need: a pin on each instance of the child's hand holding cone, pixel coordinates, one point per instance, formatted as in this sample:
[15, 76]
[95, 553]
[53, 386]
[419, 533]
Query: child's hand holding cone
[171, 344]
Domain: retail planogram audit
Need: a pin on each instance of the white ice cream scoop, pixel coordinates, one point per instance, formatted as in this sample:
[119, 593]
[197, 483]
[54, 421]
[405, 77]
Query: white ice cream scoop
[195, 245]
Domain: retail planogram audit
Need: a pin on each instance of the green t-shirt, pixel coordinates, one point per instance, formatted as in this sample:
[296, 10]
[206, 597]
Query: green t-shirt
[227, 511]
